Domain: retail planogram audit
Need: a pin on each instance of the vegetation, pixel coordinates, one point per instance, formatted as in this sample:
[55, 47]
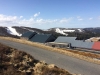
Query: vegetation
[20, 29]
[84, 35]
[15, 62]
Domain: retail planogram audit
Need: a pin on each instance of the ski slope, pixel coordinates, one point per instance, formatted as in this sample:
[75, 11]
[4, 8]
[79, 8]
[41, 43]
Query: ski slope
[13, 31]
[60, 31]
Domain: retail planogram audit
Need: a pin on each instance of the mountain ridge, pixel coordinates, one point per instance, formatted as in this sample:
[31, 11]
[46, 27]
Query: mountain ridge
[74, 32]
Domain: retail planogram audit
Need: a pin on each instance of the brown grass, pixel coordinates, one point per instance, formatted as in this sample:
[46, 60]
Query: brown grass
[54, 71]
[87, 56]
[42, 68]
[21, 63]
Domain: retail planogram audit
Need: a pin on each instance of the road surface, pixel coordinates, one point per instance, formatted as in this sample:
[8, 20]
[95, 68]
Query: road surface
[73, 65]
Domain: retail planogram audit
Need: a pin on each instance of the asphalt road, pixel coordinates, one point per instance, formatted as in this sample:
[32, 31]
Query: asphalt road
[73, 65]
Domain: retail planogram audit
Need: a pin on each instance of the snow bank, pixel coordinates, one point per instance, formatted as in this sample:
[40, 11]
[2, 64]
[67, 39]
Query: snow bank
[13, 31]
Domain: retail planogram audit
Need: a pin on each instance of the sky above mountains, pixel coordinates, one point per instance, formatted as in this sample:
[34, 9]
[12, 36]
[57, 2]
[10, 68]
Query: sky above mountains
[50, 13]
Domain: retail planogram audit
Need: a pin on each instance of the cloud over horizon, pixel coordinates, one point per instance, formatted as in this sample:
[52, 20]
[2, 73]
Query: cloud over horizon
[20, 21]
[37, 22]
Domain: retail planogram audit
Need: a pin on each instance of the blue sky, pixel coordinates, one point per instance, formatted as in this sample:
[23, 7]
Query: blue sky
[46, 14]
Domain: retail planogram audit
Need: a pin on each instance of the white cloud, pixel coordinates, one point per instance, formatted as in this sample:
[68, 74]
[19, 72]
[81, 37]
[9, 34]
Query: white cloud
[32, 21]
[37, 14]
[64, 20]
[90, 18]
[21, 16]
[79, 18]
[7, 18]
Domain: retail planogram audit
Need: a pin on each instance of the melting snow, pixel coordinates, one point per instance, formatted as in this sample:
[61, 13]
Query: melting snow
[79, 30]
[69, 30]
[60, 31]
[13, 31]
[28, 29]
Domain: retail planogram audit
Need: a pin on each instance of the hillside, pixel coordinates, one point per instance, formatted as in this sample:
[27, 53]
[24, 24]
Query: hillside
[4, 32]
[20, 30]
[15, 62]
[80, 33]
[94, 30]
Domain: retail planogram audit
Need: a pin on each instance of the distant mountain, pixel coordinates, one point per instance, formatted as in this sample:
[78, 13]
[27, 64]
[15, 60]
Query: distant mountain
[17, 31]
[94, 30]
[6, 33]
[65, 31]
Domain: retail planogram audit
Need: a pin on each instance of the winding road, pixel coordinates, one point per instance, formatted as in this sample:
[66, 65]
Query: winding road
[73, 65]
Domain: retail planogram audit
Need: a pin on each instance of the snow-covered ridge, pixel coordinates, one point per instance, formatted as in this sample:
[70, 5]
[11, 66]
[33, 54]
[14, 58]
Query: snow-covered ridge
[13, 31]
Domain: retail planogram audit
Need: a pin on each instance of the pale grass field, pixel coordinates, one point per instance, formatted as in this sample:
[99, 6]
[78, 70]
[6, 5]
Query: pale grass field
[77, 54]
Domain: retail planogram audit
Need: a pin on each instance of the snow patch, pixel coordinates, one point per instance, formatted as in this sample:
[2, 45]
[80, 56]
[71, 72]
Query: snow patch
[79, 30]
[60, 31]
[68, 30]
[28, 29]
[13, 31]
